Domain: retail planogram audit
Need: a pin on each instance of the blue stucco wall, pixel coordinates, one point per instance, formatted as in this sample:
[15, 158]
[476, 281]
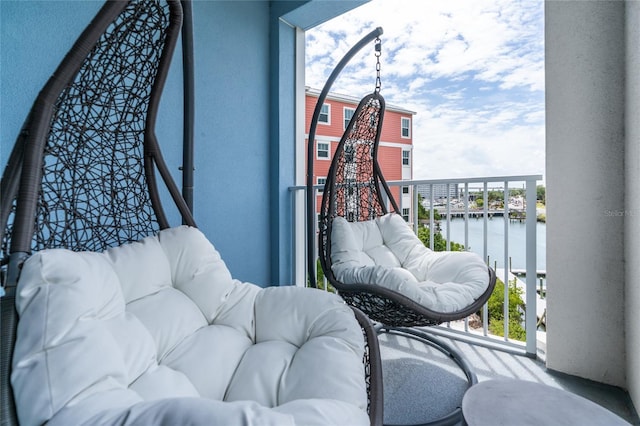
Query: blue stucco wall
[231, 182]
[34, 36]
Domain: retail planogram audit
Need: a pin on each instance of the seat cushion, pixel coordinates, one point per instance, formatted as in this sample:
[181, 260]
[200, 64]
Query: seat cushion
[386, 252]
[158, 331]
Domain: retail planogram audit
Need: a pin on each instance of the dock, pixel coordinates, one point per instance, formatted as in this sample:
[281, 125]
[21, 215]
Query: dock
[520, 272]
[541, 303]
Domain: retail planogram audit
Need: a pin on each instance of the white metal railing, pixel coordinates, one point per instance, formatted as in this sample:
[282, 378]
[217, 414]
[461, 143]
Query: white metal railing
[465, 208]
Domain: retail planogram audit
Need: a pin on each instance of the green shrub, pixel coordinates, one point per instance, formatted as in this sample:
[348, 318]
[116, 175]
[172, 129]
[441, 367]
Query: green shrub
[320, 283]
[516, 331]
[516, 311]
[439, 242]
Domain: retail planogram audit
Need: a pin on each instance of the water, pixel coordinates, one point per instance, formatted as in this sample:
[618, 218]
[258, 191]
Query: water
[495, 240]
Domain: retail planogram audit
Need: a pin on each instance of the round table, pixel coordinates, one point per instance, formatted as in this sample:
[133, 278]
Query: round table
[523, 403]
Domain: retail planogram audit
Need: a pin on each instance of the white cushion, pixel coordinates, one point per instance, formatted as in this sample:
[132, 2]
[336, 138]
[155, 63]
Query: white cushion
[161, 382]
[386, 252]
[158, 332]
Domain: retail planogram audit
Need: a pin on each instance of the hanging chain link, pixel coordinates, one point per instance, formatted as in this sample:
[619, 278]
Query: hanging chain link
[378, 52]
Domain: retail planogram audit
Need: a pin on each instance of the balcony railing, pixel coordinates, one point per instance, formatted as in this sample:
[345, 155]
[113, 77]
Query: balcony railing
[452, 197]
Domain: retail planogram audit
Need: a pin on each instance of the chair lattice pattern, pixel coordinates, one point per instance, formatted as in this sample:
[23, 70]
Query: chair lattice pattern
[386, 310]
[354, 190]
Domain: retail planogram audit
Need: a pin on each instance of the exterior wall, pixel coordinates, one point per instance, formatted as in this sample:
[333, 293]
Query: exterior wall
[632, 221]
[231, 195]
[585, 151]
[389, 150]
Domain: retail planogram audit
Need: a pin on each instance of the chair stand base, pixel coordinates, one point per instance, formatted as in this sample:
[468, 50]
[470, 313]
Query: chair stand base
[455, 417]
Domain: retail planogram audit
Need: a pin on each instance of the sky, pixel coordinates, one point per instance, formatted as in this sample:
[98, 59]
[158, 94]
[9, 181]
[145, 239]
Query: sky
[471, 70]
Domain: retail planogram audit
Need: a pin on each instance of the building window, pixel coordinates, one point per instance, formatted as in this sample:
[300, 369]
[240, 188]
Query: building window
[406, 158]
[405, 127]
[321, 181]
[405, 215]
[322, 151]
[325, 114]
[350, 186]
[405, 189]
[348, 114]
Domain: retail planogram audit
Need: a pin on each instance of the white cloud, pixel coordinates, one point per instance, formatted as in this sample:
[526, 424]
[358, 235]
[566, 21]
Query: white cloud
[473, 70]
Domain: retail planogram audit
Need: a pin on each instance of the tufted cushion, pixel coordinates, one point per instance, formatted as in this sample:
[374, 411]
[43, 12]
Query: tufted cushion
[386, 252]
[159, 332]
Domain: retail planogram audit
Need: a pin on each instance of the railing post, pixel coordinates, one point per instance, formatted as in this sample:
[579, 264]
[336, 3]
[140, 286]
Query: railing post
[531, 250]
[448, 237]
[466, 216]
[316, 226]
[506, 260]
[466, 234]
[299, 235]
[431, 218]
[416, 219]
[485, 250]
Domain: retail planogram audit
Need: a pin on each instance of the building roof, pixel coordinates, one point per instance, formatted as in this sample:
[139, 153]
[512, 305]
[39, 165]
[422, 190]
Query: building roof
[352, 99]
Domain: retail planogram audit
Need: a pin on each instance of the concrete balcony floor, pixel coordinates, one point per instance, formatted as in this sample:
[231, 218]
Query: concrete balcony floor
[422, 384]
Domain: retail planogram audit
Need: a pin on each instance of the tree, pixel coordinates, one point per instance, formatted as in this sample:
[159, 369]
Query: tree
[516, 192]
[439, 242]
[494, 196]
[516, 311]
[541, 194]
[423, 213]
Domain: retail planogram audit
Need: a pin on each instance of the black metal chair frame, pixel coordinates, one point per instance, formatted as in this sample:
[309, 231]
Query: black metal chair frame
[355, 189]
[83, 174]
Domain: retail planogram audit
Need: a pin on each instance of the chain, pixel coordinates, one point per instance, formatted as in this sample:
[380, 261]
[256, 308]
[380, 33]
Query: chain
[378, 52]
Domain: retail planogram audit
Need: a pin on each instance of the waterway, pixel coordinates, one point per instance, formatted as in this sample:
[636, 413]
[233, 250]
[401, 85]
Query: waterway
[495, 240]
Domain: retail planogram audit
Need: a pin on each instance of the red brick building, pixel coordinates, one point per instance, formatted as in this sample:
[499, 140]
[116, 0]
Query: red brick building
[394, 151]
